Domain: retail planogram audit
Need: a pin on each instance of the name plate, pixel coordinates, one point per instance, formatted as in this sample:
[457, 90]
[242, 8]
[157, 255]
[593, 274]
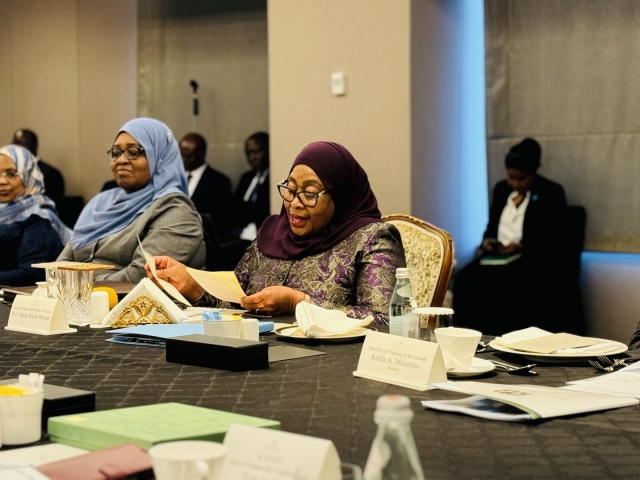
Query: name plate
[402, 361]
[266, 454]
[39, 315]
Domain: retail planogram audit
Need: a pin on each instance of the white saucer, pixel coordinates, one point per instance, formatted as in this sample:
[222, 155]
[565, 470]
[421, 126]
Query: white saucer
[478, 367]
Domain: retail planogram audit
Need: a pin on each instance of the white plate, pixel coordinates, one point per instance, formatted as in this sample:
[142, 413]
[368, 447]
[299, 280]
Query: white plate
[478, 367]
[560, 358]
[288, 333]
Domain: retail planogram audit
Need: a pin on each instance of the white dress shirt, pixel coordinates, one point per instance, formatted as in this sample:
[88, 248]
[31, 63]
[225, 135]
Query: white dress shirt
[512, 219]
[194, 177]
[257, 180]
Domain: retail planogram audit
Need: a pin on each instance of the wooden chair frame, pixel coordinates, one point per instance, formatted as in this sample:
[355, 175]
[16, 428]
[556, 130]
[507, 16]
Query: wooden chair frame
[437, 294]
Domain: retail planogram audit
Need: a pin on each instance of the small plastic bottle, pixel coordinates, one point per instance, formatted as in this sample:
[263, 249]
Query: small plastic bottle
[393, 454]
[402, 320]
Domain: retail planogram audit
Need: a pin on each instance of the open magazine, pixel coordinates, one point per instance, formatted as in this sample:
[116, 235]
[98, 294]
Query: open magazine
[523, 402]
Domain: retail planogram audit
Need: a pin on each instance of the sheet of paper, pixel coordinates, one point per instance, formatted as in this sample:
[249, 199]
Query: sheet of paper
[554, 342]
[403, 361]
[263, 453]
[625, 381]
[222, 285]
[170, 289]
[24, 473]
[40, 454]
[543, 402]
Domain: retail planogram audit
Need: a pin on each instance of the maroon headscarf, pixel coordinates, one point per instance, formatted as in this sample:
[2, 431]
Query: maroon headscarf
[355, 204]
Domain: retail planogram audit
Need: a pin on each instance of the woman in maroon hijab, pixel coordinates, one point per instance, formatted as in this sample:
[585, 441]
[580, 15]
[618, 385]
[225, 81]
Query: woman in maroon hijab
[327, 246]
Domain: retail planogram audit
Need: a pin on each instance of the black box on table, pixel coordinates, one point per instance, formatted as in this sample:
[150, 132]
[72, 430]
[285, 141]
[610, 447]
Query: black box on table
[222, 353]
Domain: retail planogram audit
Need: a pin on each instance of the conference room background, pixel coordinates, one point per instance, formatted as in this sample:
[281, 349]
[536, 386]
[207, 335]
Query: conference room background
[414, 111]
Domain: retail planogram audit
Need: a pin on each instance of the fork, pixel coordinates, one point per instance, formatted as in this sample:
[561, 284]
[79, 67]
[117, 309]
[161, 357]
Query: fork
[514, 369]
[606, 361]
[625, 362]
[602, 368]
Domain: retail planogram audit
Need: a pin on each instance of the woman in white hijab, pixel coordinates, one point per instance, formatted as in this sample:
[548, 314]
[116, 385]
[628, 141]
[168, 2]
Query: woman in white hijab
[30, 230]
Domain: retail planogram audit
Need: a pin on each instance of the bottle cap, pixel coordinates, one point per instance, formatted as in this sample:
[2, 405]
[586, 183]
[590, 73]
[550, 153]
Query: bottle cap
[402, 273]
[393, 408]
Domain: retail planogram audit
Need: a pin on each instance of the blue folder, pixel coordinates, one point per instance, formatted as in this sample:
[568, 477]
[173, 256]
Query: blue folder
[155, 335]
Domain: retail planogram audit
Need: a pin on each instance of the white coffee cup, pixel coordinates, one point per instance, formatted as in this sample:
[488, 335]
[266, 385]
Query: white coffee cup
[187, 460]
[20, 414]
[223, 328]
[458, 346]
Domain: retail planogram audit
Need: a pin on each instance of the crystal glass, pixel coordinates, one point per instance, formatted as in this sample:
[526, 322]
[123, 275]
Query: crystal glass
[51, 274]
[430, 318]
[73, 289]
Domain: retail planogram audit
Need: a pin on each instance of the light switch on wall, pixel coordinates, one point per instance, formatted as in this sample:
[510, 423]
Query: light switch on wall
[338, 84]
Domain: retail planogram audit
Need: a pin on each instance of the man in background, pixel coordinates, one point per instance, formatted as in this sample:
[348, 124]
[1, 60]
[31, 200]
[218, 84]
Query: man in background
[251, 198]
[209, 189]
[53, 181]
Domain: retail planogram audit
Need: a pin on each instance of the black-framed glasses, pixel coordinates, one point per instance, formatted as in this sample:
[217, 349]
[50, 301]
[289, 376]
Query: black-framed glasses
[130, 153]
[308, 199]
[9, 174]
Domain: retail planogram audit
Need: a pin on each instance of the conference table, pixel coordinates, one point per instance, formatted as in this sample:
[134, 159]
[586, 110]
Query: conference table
[319, 396]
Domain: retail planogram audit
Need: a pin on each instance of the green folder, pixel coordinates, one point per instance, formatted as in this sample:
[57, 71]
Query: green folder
[147, 425]
[499, 259]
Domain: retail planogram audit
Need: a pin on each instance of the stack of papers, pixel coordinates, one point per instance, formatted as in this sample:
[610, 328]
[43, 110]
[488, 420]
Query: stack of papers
[523, 402]
[625, 381]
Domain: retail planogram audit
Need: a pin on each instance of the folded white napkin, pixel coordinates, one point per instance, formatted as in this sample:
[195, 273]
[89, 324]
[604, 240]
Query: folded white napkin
[148, 288]
[535, 332]
[315, 321]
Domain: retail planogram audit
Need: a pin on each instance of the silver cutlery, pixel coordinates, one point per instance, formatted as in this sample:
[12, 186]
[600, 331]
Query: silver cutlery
[514, 369]
[602, 368]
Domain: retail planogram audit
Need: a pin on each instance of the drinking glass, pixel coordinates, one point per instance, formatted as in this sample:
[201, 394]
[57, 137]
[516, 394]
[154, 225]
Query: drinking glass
[73, 288]
[430, 318]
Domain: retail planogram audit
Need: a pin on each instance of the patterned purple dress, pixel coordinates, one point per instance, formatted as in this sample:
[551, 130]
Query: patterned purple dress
[356, 276]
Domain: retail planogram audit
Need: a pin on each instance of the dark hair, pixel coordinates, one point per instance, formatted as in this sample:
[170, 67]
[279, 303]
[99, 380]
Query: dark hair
[261, 138]
[524, 156]
[199, 141]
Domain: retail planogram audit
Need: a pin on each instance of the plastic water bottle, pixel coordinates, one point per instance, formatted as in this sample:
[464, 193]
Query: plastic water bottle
[393, 454]
[402, 320]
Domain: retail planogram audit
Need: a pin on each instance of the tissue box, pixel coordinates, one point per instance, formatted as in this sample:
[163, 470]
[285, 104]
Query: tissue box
[222, 353]
[62, 401]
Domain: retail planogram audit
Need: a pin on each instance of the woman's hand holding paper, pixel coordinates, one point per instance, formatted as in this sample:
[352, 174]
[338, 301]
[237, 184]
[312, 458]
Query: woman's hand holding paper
[275, 300]
[176, 273]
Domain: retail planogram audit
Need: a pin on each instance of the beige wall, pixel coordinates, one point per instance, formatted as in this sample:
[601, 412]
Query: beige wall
[69, 74]
[368, 40]
[222, 45]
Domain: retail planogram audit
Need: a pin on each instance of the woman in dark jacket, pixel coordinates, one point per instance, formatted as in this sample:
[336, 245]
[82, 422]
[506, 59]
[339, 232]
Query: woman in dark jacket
[30, 230]
[525, 218]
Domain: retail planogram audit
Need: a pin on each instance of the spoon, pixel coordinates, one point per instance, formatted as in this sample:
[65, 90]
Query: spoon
[514, 369]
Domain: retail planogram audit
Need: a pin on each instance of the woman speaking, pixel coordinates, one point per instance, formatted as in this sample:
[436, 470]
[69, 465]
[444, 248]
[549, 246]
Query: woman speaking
[328, 245]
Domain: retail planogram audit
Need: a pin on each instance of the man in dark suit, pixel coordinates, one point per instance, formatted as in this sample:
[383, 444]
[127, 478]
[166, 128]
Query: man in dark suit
[251, 197]
[53, 181]
[209, 189]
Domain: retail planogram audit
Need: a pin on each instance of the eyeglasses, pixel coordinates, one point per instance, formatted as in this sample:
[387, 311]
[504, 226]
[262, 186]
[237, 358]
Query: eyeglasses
[9, 174]
[130, 153]
[308, 199]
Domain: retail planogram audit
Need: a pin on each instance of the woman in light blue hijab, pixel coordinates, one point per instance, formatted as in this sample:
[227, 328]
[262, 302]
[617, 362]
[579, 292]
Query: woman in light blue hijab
[30, 230]
[151, 203]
